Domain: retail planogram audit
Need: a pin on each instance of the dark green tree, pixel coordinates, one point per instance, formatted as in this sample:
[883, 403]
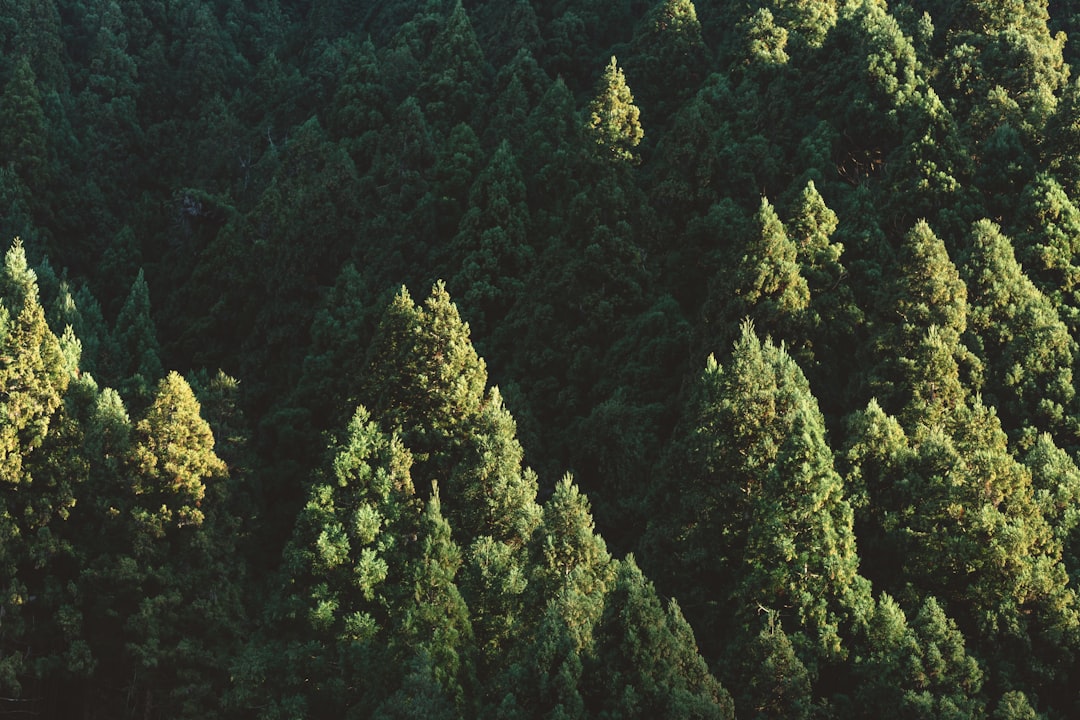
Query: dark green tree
[137, 361]
[346, 574]
[771, 680]
[670, 59]
[1027, 350]
[492, 242]
[456, 75]
[24, 138]
[765, 284]
[916, 670]
[646, 661]
[940, 495]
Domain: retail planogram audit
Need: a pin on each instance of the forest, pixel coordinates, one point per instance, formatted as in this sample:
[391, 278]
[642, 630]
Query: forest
[514, 360]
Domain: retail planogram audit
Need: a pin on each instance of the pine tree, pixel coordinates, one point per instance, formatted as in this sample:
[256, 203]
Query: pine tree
[1027, 350]
[1055, 479]
[920, 356]
[614, 123]
[1047, 244]
[759, 517]
[833, 318]
[31, 367]
[435, 623]
[919, 669]
[646, 664]
[138, 365]
[765, 284]
[670, 57]
[23, 139]
[346, 575]
[492, 242]
[42, 469]
[424, 375]
[456, 79]
[162, 560]
[571, 572]
[771, 680]
[953, 514]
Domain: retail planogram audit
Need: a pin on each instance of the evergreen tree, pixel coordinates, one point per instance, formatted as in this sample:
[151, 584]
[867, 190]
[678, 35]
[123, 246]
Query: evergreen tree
[346, 574]
[759, 518]
[646, 663]
[1027, 350]
[456, 78]
[23, 138]
[492, 242]
[38, 464]
[138, 364]
[940, 496]
[772, 681]
[1055, 479]
[764, 284]
[435, 623]
[424, 375]
[916, 670]
[1046, 244]
[165, 563]
[928, 316]
[670, 58]
[614, 123]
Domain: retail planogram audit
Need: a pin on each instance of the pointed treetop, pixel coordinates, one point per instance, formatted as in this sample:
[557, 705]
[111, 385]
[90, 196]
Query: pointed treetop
[175, 453]
[613, 118]
[931, 291]
[19, 281]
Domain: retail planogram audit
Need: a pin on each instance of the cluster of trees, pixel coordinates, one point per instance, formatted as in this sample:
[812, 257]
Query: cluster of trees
[744, 387]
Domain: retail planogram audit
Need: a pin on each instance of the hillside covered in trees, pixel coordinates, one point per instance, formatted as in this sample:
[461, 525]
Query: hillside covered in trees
[508, 359]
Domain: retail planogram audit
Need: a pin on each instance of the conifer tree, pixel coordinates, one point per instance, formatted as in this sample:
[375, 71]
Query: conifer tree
[919, 669]
[1027, 350]
[646, 662]
[424, 376]
[492, 242]
[760, 518]
[23, 138]
[765, 284]
[766, 42]
[833, 318]
[571, 572]
[138, 365]
[1055, 479]
[614, 123]
[928, 314]
[347, 574]
[41, 471]
[32, 369]
[670, 56]
[361, 103]
[164, 561]
[941, 493]
[457, 76]
[769, 680]
[1048, 243]
[434, 622]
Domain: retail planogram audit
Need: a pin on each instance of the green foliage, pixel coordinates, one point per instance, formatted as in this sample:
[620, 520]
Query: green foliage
[1026, 348]
[760, 518]
[918, 670]
[138, 365]
[647, 663]
[614, 123]
[268, 171]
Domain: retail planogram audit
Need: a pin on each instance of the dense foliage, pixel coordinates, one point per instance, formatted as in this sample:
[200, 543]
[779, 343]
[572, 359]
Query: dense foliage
[739, 382]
